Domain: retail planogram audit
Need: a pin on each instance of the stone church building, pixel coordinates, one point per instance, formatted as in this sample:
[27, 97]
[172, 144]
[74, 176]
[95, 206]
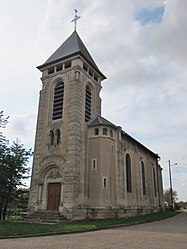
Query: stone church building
[85, 166]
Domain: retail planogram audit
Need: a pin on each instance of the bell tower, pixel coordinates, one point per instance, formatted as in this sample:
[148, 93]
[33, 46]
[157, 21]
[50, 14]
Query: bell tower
[70, 97]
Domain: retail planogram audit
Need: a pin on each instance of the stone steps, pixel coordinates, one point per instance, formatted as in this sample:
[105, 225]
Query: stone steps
[45, 217]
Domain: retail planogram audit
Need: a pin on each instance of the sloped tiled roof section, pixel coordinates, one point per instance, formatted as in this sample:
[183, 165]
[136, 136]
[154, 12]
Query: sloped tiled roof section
[72, 46]
[99, 120]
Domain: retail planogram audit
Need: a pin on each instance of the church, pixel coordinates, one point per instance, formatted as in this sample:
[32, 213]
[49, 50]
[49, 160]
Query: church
[84, 166]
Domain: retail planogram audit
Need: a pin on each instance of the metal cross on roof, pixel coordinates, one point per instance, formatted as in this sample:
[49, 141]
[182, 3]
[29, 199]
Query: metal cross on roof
[75, 19]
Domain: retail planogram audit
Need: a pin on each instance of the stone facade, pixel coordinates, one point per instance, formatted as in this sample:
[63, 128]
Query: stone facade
[80, 167]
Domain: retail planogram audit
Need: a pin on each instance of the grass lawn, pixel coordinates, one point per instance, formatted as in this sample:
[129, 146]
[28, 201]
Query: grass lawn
[17, 228]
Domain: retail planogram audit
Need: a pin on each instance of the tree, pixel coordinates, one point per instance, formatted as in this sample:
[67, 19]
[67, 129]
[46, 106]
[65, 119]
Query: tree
[3, 122]
[19, 202]
[22, 198]
[182, 204]
[167, 196]
[13, 170]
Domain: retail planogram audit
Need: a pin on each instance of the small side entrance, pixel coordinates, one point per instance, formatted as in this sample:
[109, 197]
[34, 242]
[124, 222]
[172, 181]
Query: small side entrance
[54, 192]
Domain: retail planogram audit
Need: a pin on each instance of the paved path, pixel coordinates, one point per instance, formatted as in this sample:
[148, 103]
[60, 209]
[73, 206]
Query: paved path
[165, 234]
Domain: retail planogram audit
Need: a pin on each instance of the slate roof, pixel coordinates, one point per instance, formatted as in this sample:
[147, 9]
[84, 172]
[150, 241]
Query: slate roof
[72, 46]
[99, 120]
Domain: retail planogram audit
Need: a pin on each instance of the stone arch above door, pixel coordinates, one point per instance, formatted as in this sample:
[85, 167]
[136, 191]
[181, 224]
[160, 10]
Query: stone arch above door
[51, 168]
[54, 173]
[51, 179]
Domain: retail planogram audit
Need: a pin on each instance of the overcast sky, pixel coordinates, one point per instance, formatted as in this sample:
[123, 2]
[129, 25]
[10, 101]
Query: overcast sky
[141, 47]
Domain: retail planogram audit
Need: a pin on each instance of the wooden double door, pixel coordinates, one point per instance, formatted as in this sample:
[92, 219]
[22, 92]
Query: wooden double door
[54, 193]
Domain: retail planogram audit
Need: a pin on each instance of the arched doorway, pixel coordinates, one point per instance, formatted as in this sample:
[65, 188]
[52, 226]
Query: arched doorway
[51, 181]
[54, 194]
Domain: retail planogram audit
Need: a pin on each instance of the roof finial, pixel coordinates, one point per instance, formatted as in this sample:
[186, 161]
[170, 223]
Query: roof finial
[75, 19]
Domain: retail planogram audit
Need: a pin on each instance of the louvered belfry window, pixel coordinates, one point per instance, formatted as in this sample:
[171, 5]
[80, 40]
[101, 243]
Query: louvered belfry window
[88, 103]
[58, 101]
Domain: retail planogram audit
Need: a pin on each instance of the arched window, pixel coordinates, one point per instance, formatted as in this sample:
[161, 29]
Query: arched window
[88, 103]
[96, 131]
[154, 182]
[143, 178]
[58, 101]
[51, 137]
[105, 131]
[105, 182]
[128, 173]
[94, 164]
[111, 133]
[57, 136]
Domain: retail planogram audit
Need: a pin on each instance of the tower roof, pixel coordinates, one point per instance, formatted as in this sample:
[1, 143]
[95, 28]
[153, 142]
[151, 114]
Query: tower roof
[99, 120]
[72, 46]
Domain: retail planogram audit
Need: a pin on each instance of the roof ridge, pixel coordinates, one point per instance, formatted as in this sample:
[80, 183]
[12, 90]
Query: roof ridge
[86, 52]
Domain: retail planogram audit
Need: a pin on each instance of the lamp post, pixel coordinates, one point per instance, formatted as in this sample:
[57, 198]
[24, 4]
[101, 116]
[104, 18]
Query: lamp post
[170, 180]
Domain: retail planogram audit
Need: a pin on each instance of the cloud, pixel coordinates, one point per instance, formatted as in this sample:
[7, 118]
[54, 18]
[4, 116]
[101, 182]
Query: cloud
[146, 89]
[167, 39]
[21, 128]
